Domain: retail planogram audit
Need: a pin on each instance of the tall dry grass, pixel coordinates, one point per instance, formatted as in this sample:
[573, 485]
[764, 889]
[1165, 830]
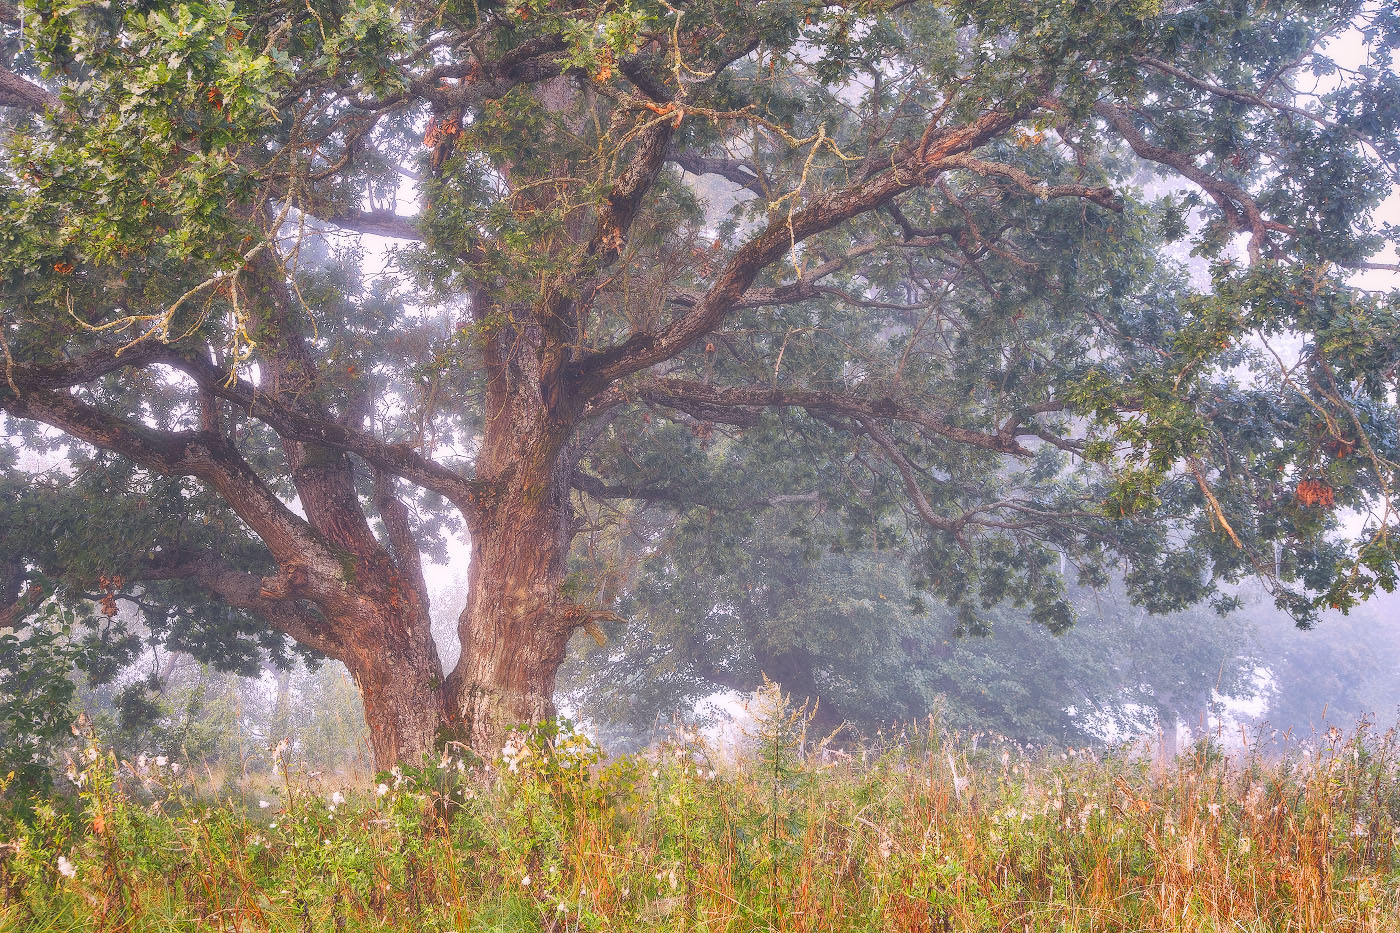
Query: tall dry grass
[925, 831]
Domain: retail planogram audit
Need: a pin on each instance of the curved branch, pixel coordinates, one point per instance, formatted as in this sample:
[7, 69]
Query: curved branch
[200, 454]
[912, 165]
[292, 424]
[737, 171]
[1241, 213]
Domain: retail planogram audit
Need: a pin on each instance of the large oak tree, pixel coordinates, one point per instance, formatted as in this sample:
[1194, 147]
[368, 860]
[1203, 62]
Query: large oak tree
[667, 262]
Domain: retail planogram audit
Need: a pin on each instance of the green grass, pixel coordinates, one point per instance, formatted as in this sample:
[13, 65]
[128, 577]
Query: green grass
[879, 840]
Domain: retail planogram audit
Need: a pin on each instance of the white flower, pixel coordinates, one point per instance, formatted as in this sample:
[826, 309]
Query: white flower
[263, 804]
[562, 908]
[65, 867]
[271, 825]
[175, 768]
[337, 799]
[381, 790]
[525, 882]
[91, 754]
[161, 761]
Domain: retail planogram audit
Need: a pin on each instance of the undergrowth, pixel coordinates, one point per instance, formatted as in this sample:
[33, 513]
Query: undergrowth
[922, 831]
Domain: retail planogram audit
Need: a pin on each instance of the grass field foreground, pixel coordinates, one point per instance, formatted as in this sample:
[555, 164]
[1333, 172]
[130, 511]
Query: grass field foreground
[924, 830]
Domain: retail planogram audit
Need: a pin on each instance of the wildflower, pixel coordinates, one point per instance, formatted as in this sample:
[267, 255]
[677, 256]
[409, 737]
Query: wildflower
[263, 804]
[271, 825]
[381, 790]
[1359, 830]
[525, 882]
[337, 799]
[562, 908]
[161, 761]
[65, 867]
[91, 754]
[175, 768]
[1214, 809]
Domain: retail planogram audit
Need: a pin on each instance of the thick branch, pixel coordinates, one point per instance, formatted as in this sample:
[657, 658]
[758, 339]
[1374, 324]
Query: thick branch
[205, 456]
[912, 166]
[16, 91]
[399, 459]
[1099, 194]
[738, 171]
[402, 543]
[290, 617]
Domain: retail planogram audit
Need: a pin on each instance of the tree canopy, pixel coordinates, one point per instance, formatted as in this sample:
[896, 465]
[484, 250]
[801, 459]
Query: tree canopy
[906, 265]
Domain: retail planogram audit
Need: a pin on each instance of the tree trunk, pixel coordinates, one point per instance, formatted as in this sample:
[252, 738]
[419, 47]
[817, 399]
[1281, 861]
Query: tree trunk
[393, 660]
[404, 709]
[515, 625]
[1171, 735]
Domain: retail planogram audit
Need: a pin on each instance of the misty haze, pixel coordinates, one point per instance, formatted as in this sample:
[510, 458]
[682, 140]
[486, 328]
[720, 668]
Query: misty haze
[695, 465]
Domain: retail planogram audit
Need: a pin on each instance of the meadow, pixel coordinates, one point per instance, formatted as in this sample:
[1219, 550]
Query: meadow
[918, 830]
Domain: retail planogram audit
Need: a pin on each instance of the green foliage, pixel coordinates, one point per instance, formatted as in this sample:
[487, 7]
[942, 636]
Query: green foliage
[36, 699]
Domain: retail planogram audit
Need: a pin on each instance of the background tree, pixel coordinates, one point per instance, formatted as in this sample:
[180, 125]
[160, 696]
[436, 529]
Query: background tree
[855, 631]
[939, 293]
